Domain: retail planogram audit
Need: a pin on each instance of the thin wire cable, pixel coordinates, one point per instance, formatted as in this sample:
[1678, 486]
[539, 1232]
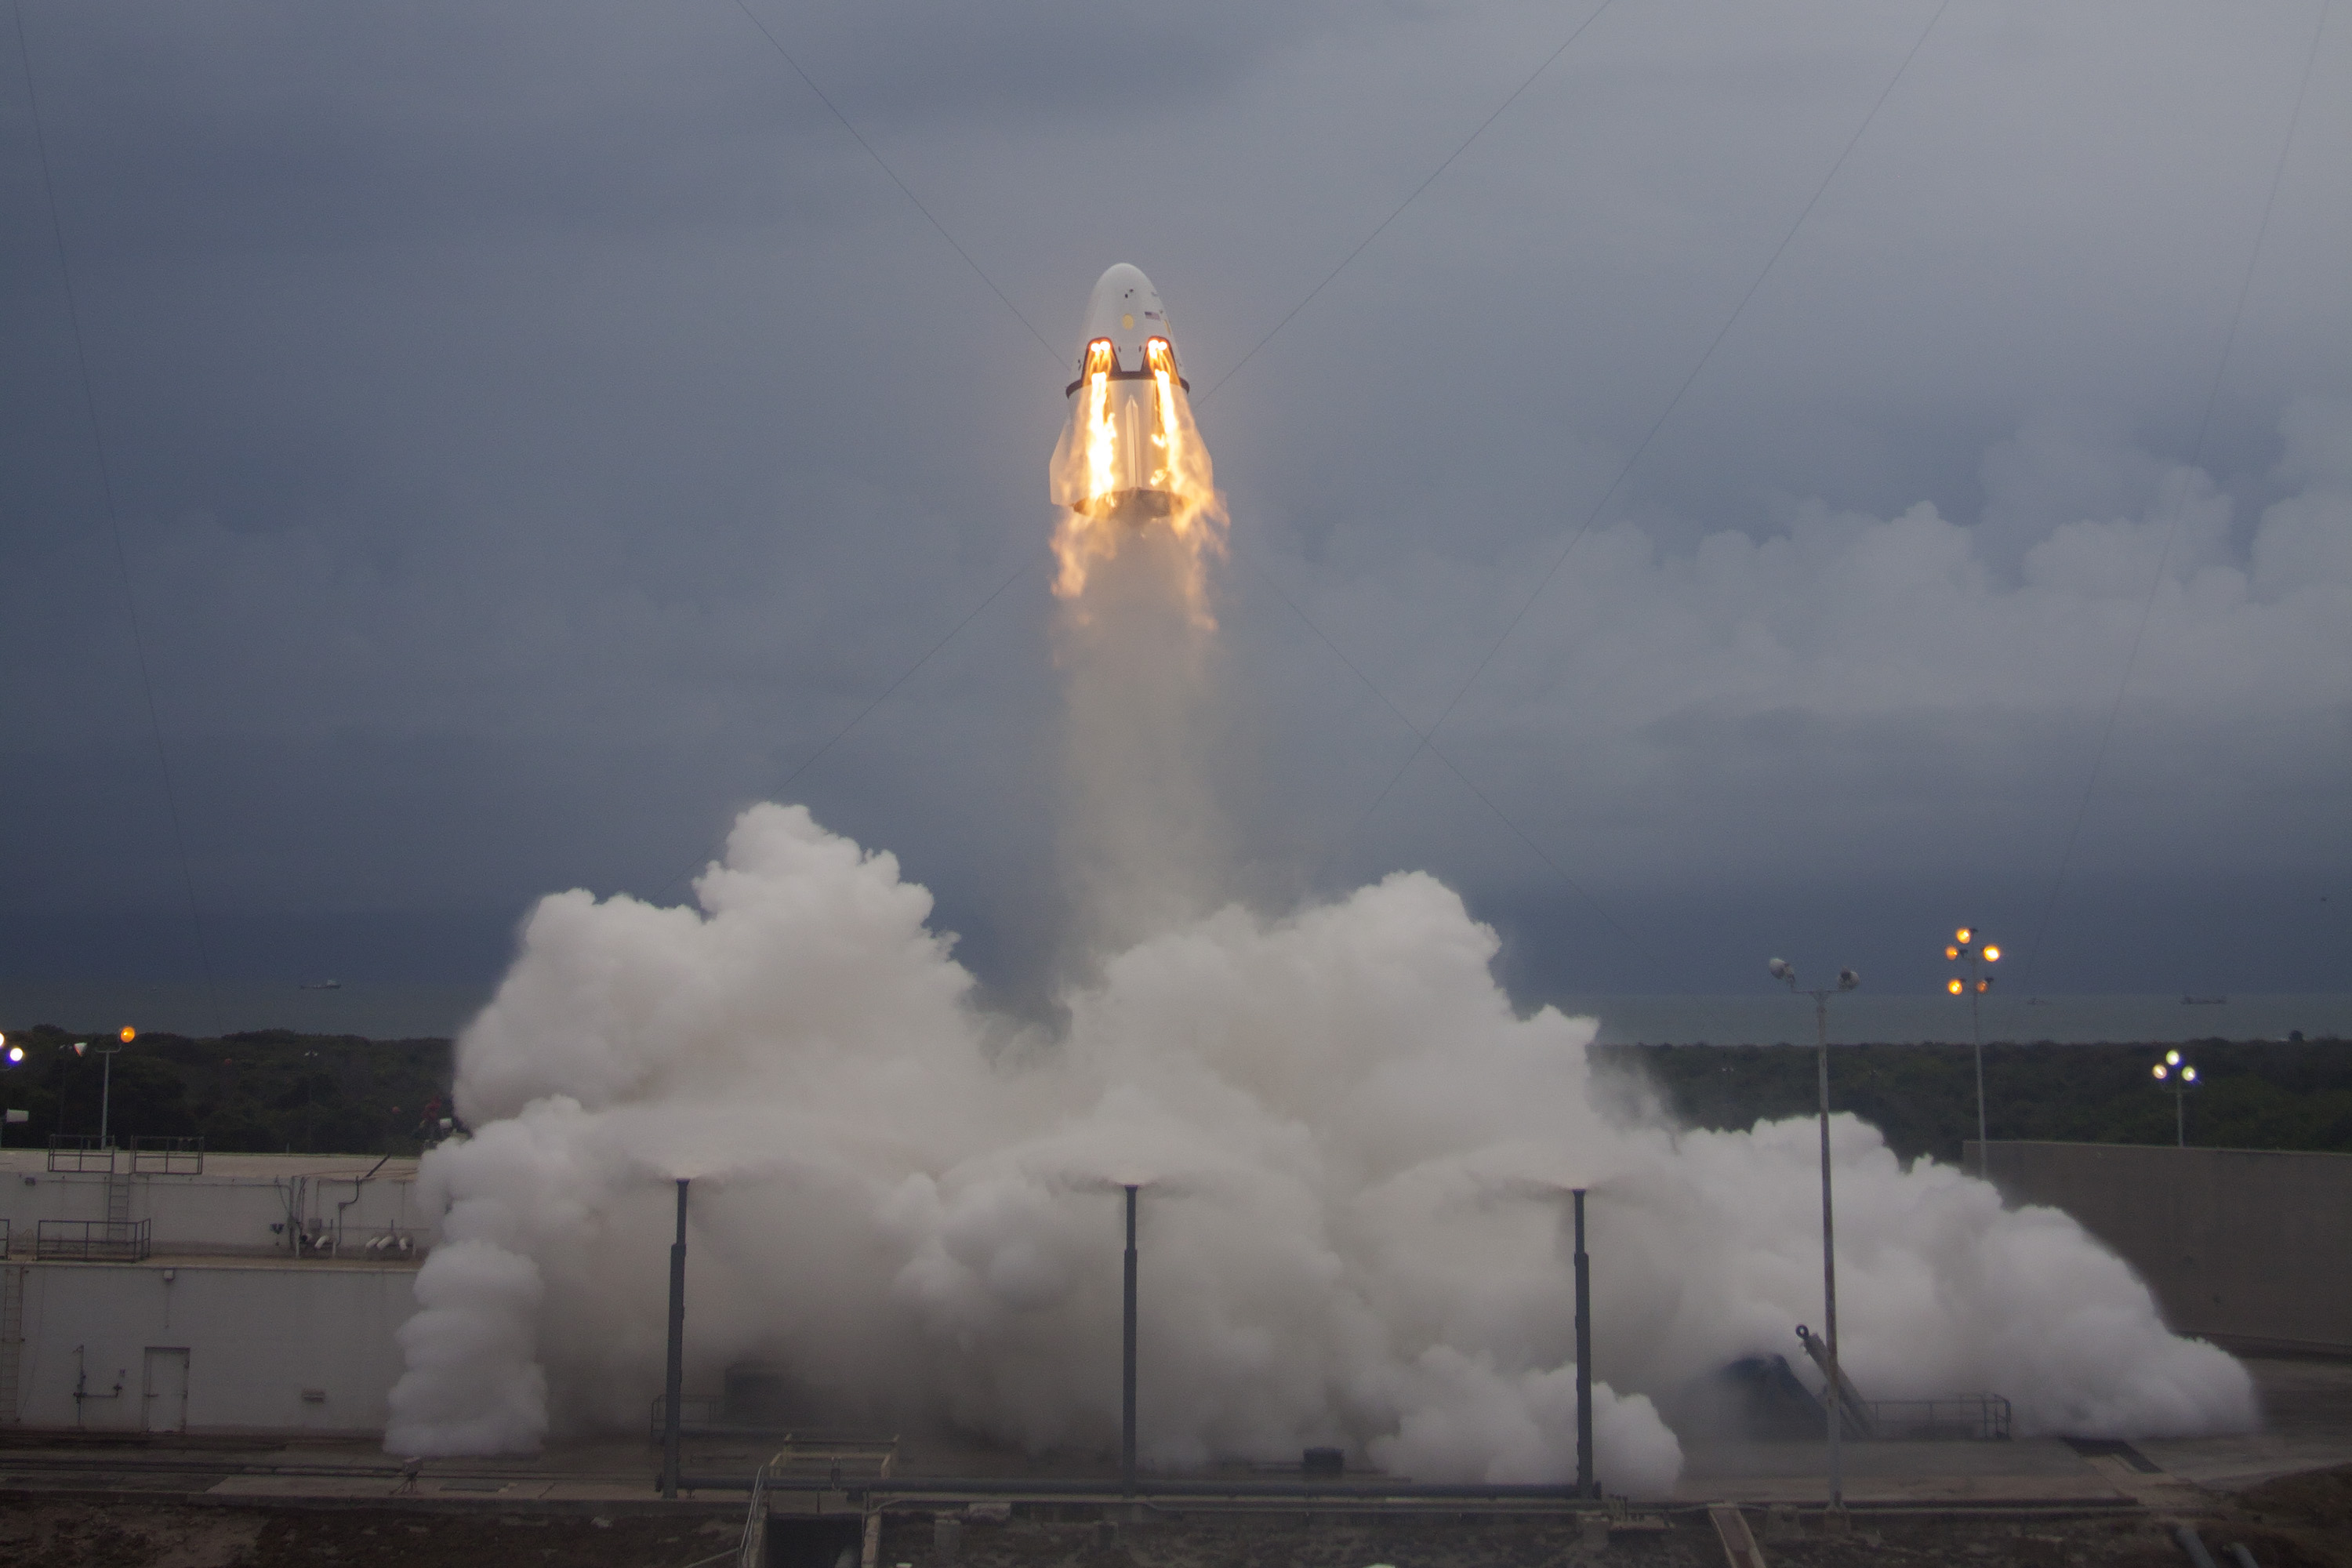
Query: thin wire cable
[880, 162]
[2180, 504]
[1028, 565]
[1674, 402]
[114, 524]
[1483, 799]
[1426, 182]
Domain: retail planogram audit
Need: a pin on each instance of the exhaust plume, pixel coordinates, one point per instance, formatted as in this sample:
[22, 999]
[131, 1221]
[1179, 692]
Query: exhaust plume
[1355, 1150]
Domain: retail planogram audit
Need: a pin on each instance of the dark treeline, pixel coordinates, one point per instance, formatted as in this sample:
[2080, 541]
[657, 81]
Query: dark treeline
[2257, 1095]
[269, 1091]
[273, 1090]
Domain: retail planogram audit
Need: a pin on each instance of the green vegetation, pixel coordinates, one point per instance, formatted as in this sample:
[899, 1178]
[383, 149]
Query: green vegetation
[273, 1090]
[270, 1091]
[2258, 1095]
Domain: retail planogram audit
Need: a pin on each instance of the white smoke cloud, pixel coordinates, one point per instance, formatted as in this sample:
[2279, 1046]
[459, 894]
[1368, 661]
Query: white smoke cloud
[1352, 1150]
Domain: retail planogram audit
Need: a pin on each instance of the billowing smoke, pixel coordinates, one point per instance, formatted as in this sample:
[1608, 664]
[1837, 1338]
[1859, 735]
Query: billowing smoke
[1353, 1147]
[1353, 1152]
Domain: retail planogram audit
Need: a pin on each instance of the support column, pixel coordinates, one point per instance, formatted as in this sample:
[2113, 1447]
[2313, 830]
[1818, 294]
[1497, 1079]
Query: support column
[674, 1385]
[1127, 1373]
[1585, 1486]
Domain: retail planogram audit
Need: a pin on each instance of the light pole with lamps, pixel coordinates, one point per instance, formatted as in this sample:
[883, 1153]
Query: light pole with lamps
[1833, 1397]
[106, 1085]
[1964, 945]
[2181, 1075]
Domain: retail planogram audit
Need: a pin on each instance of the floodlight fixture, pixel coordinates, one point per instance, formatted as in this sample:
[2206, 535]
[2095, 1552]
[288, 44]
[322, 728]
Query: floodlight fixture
[1781, 969]
[1953, 985]
[1963, 934]
[2178, 1075]
[15, 1053]
[1992, 954]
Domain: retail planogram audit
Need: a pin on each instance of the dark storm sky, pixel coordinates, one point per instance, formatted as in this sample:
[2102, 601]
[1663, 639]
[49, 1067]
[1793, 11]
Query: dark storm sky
[535, 429]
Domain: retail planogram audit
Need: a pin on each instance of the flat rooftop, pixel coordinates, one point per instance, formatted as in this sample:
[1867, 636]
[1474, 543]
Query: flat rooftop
[258, 1167]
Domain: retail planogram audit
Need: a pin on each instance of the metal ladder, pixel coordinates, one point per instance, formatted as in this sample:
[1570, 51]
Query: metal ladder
[12, 1336]
[117, 1205]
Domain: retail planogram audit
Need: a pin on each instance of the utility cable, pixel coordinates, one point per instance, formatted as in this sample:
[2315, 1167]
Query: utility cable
[115, 523]
[1426, 182]
[1483, 799]
[880, 162]
[1028, 565]
[2180, 504]
[1672, 403]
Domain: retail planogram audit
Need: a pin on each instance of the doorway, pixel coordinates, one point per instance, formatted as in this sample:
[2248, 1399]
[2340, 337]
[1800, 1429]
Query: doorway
[167, 1389]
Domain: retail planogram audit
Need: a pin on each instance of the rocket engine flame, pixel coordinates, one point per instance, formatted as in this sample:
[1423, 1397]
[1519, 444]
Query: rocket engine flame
[1130, 456]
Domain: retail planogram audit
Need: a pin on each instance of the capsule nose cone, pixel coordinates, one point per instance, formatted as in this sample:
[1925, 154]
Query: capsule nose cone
[1125, 309]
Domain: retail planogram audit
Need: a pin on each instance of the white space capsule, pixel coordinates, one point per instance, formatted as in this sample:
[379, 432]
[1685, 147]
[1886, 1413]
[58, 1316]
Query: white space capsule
[1129, 449]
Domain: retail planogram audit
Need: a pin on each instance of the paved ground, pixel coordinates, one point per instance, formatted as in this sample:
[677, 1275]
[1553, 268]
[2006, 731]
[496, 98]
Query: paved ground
[2038, 1501]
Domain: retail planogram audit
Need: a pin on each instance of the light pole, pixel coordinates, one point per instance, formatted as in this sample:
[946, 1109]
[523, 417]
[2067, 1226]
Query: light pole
[1834, 1398]
[309, 1091]
[11, 1056]
[106, 1084]
[1964, 945]
[2181, 1075]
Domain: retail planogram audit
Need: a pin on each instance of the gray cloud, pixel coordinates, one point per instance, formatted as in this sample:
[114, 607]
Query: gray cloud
[537, 432]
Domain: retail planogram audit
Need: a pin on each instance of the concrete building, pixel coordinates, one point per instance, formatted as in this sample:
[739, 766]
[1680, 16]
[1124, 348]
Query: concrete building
[159, 1288]
[2249, 1248]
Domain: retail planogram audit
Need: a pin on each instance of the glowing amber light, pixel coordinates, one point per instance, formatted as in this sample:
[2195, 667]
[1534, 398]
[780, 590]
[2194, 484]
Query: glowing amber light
[129, 1034]
[2158, 1069]
[1962, 935]
[1951, 952]
[1992, 954]
[1954, 987]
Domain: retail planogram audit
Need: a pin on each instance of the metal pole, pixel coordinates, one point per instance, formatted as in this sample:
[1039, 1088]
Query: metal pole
[2180, 1116]
[1127, 1369]
[1976, 1029]
[674, 1385]
[1835, 1402]
[1584, 1483]
[105, 1099]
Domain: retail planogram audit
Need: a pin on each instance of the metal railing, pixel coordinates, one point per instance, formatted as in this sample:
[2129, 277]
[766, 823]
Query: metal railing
[80, 1153]
[95, 1240]
[4, 1252]
[167, 1156]
[1966, 1418]
[698, 1416]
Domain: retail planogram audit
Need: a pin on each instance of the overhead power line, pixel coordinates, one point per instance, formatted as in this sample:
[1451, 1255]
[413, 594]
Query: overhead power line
[114, 524]
[1664, 413]
[2179, 503]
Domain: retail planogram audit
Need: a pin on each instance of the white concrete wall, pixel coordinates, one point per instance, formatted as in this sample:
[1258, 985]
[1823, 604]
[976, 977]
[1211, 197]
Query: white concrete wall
[221, 1212]
[258, 1334]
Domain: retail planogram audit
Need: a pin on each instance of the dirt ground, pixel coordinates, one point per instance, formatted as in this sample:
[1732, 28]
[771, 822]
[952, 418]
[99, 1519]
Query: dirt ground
[2302, 1522]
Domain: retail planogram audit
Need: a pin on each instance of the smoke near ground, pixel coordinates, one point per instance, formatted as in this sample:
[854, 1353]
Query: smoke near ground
[1354, 1152]
[1353, 1146]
